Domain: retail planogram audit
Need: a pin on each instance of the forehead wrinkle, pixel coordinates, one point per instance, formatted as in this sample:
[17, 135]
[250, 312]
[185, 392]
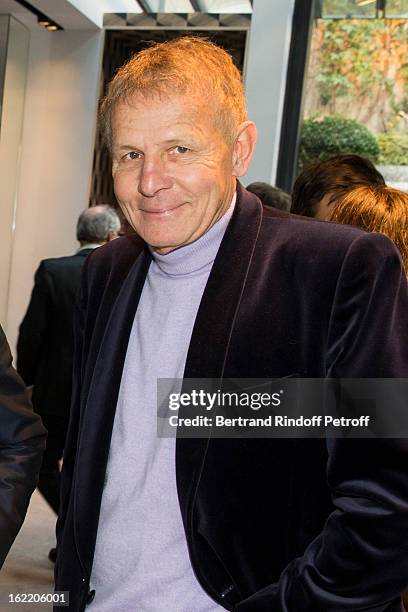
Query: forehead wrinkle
[174, 104]
[189, 134]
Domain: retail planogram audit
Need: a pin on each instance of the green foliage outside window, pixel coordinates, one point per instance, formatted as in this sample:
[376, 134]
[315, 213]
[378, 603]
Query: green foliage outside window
[358, 68]
[335, 135]
[346, 59]
[394, 148]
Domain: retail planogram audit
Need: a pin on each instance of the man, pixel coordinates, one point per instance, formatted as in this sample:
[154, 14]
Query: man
[46, 341]
[214, 286]
[22, 442]
[323, 183]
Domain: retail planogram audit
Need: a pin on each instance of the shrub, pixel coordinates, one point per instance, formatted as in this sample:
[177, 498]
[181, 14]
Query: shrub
[335, 135]
[393, 148]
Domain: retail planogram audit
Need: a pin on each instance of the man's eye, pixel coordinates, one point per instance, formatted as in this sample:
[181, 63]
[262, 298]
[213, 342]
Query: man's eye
[181, 150]
[132, 155]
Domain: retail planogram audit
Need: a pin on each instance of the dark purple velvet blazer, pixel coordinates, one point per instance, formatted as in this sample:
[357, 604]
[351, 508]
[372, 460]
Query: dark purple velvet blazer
[287, 525]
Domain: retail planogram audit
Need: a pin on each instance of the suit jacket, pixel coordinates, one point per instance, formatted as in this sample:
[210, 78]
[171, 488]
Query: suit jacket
[45, 344]
[22, 443]
[280, 525]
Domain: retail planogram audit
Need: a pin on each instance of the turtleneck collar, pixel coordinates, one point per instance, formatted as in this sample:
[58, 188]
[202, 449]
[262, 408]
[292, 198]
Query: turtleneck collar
[198, 254]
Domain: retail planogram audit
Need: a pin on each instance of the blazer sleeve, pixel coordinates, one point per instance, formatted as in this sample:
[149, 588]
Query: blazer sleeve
[30, 343]
[22, 443]
[360, 560]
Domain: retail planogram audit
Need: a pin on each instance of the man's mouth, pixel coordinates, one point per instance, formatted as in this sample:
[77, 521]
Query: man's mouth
[164, 211]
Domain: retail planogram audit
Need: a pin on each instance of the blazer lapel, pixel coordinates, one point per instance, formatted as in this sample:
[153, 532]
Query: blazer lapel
[100, 408]
[213, 328]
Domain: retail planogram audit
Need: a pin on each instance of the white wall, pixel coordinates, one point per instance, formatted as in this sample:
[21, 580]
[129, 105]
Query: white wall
[57, 154]
[265, 83]
[16, 38]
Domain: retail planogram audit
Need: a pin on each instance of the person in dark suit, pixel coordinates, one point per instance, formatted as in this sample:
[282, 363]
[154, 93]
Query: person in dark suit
[22, 442]
[214, 285]
[46, 342]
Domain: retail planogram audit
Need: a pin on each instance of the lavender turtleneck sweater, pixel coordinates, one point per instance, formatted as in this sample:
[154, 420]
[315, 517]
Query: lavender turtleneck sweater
[141, 561]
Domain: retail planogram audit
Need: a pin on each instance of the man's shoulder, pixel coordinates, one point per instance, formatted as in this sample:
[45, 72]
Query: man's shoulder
[320, 243]
[123, 248]
[305, 232]
[52, 263]
[114, 257]
[111, 257]
[307, 227]
[60, 269]
[280, 227]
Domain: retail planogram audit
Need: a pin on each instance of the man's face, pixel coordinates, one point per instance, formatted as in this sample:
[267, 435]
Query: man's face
[172, 169]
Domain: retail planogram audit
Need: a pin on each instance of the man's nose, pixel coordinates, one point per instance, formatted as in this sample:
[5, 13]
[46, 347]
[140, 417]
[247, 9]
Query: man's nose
[154, 177]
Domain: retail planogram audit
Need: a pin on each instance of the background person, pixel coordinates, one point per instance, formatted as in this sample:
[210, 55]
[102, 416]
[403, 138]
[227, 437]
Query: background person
[46, 341]
[22, 442]
[271, 196]
[376, 209]
[322, 184]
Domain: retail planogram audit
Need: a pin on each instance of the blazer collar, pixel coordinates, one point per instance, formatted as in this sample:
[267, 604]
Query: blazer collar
[223, 292]
[213, 328]
[99, 412]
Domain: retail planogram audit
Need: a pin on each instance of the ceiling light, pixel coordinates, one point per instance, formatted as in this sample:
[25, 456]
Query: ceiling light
[42, 19]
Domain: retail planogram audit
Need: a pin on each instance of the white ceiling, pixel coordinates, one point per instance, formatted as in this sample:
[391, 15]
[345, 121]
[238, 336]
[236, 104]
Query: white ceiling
[60, 11]
[88, 14]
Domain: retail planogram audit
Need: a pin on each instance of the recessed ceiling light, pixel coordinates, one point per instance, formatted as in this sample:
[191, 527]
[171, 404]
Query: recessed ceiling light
[42, 19]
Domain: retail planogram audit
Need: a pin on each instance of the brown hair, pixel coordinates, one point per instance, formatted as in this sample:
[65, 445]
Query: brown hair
[335, 176]
[189, 65]
[377, 209]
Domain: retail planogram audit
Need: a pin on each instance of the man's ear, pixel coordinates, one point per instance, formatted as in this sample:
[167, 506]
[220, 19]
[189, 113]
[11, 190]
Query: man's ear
[244, 148]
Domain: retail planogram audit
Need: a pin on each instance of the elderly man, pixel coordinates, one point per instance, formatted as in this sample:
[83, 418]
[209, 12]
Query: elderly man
[22, 442]
[215, 286]
[45, 344]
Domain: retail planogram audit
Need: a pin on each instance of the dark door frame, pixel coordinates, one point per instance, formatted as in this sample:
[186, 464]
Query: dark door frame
[304, 13]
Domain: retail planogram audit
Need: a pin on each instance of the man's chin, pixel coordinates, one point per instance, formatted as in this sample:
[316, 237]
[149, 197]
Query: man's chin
[163, 249]
[161, 241]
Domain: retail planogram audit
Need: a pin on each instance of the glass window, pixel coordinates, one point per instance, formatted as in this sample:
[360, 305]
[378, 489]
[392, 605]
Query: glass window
[333, 9]
[356, 94]
[396, 8]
